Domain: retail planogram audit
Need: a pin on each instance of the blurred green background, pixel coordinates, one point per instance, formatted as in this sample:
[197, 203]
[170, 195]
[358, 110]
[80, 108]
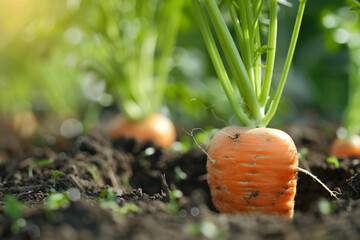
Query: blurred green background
[45, 47]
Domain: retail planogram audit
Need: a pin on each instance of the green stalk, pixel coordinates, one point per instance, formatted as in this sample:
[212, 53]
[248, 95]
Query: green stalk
[237, 26]
[295, 35]
[270, 58]
[248, 54]
[219, 67]
[352, 114]
[246, 68]
[235, 62]
[167, 47]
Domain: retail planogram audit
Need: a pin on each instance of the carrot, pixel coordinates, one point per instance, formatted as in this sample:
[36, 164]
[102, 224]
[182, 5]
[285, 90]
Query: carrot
[25, 123]
[136, 61]
[346, 148]
[250, 168]
[347, 143]
[155, 127]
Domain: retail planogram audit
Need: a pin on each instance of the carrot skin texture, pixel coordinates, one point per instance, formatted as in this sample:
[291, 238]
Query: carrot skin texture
[252, 170]
[155, 127]
[346, 148]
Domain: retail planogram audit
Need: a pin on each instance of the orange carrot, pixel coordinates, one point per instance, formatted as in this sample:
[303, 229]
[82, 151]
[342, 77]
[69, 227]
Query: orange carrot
[346, 148]
[252, 170]
[24, 123]
[155, 127]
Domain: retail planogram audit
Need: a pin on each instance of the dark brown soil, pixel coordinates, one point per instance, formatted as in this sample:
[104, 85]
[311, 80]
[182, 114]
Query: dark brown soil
[134, 170]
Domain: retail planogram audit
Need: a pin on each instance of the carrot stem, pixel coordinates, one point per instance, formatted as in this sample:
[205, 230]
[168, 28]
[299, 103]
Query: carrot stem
[219, 66]
[245, 65]
[236, 64]
[270, 58]
[295, 35]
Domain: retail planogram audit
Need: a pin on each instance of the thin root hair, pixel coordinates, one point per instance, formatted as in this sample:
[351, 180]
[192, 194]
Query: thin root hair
[332, 193]
[191, 134]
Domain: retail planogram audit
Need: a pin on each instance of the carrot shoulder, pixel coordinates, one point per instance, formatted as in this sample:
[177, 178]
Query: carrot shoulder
[252, 170]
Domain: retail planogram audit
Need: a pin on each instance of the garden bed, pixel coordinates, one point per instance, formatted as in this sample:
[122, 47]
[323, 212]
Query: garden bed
[133, 171]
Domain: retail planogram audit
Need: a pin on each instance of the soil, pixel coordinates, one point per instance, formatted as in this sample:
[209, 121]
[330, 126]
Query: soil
[134, 173]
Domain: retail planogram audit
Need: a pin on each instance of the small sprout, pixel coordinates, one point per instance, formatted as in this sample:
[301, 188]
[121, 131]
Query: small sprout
[57, 200]
[325, 207]
[172, 206]
[209, 229]
[302, 153]
[334, 161]
[146, 153]
[206, 228]
[56, 173]
[179, 174]
[14, 210]
[92, 171]
[176, 194]
[110, 203]
[128, 207]
[39, 163]
[107, 193]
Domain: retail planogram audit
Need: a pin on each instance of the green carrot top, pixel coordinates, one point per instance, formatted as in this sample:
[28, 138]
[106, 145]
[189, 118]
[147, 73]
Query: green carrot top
[243, 55]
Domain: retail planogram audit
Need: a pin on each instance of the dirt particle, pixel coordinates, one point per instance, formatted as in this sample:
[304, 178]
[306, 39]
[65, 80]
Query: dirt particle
[236, 136]
[279, 194]
[225, 189]
[252, 195]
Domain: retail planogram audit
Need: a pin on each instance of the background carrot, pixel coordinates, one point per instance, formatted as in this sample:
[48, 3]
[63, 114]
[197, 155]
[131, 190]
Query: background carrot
[251, 168]
[347, 143]
[155, 127]
[346, 148]
[135, 57]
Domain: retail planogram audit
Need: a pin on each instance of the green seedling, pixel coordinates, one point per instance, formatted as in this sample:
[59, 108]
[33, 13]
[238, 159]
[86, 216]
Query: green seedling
[128, 207]
[334, 161]
[92, 171]
[146, 153]
[14, 210]
[172, 206]
[205, 228]
[39, 163]
[56, 173]
[326, 207]
[55, 201]
[107, 199]
[108, 193]
[302, 153]
[179, 174]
